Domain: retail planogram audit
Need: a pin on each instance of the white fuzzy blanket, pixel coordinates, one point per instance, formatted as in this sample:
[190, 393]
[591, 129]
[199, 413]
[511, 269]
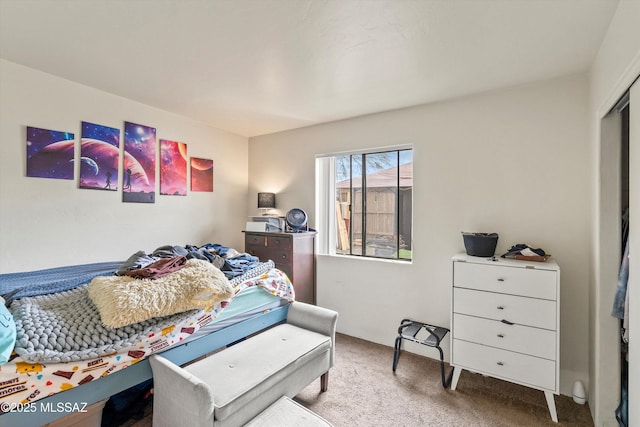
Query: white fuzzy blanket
[123, 300]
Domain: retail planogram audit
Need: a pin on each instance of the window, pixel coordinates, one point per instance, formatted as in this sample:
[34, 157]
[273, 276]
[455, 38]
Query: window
[365, 203]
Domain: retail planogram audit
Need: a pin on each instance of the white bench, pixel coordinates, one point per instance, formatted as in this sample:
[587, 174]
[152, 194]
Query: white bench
[233, 386]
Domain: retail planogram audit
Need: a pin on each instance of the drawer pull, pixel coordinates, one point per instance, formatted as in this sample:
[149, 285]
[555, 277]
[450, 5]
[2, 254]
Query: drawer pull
[500, 307]
[500, 363]
[500, 335]
[506, 322]
[500, 279]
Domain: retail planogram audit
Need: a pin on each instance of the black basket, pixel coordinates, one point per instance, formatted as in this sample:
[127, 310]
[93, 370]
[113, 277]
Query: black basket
[480, 244]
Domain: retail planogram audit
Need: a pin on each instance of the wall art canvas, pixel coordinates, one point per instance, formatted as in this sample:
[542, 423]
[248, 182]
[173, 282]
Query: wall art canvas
[139, 170]
[99, 157]
[50, 153]
[173, 168]
[201, 174]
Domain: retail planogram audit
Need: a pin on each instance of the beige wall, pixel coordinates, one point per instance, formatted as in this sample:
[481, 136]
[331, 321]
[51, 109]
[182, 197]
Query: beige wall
[613, 71]
[50, 222]
[513, 161]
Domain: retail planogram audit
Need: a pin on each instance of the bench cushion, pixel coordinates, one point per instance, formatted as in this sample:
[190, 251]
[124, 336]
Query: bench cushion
[250, 368]
[287, 413]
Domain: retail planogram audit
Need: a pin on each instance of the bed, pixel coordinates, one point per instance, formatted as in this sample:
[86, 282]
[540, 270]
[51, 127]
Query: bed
[41, 385]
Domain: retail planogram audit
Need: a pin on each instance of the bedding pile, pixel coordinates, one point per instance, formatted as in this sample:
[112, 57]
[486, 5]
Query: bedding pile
[67, 326]
[231, 262]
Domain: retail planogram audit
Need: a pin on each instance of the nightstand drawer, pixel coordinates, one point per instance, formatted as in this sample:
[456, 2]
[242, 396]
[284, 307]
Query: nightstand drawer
[509, 280]
[255, 240]
[522, 339]
[521, 310]
[259, 251]
[280, 257]
[279, 242]
[516, 367]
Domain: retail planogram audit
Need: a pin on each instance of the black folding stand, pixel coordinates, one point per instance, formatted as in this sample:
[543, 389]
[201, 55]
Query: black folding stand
[409, 330]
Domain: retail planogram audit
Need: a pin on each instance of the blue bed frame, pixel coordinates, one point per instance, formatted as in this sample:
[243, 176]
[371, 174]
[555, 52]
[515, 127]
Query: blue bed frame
[105, 387]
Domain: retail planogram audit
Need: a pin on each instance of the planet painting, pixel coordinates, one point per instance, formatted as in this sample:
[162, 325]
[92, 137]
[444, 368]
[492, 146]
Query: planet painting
[92, 164]
[99, 157]
[139, 174]
[50, 153]
[173, 168]
[201, 174]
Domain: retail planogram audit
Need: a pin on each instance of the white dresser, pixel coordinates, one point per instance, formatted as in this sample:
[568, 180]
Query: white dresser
[505, 322]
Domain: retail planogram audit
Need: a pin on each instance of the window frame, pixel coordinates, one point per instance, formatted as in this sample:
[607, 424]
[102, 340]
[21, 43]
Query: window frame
[326, 198]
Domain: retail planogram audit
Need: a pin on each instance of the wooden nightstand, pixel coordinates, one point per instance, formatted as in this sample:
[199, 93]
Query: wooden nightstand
[293, 253]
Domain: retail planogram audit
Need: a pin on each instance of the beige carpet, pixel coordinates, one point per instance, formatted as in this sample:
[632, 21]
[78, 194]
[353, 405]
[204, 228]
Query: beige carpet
[364, 391]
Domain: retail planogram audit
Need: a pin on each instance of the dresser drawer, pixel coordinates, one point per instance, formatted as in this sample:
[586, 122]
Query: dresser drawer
[509, 280]
[281, 257]
[276, 248]
[521, 310]
[522, 339]
[255, 240]
[258, 251]
[516, 367]
[279, 242]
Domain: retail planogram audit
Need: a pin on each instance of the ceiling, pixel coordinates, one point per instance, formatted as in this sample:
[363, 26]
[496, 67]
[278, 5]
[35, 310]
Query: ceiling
[254, 67]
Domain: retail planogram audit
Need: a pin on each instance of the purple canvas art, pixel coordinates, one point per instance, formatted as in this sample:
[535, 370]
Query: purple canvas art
[139, 174]
[99, 157]
[50, 153]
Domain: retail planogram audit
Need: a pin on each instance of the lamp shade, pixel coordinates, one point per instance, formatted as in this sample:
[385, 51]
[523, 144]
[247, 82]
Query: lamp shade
[266, 200]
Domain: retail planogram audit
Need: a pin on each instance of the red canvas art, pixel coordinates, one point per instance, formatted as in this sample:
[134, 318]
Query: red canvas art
[173, 168]
[201, 174]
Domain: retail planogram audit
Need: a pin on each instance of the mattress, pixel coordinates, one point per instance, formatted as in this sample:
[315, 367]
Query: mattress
[248, 303]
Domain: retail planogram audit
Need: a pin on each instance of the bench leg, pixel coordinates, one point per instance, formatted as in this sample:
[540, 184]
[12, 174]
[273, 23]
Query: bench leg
[324, 382]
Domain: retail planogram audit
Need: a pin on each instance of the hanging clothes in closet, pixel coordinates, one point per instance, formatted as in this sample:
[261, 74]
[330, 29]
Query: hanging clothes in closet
[621, 311]
[621, 299]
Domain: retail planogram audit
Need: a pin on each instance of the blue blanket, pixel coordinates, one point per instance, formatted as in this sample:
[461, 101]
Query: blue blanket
[52, 280]
[42, 282]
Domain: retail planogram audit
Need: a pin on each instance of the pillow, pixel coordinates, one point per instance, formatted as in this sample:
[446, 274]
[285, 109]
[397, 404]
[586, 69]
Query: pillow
[123, 300]
[7, 333]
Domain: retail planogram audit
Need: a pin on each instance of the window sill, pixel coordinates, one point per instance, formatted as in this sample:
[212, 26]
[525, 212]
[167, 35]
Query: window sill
[370, 259]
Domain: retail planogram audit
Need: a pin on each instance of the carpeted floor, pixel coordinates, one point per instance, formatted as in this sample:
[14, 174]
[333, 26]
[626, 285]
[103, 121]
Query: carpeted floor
[364, 391]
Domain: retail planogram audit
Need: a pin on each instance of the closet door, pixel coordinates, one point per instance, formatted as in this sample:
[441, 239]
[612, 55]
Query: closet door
[634, 254]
